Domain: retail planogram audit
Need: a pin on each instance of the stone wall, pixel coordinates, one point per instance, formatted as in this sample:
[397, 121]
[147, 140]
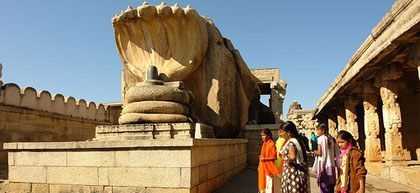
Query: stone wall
[177, 165]
[30, 115]
[253, 134]
[28, 98]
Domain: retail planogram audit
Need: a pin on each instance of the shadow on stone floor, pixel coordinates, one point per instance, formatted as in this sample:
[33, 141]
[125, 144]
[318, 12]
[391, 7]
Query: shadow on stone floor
[247, 182]
[244, 182]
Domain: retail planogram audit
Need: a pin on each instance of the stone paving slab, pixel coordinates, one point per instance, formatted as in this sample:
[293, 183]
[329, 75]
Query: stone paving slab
[247, 182]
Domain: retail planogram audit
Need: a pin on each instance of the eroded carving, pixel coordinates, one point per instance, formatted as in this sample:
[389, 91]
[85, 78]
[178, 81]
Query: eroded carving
[155, 101]
[187, 47]
[392, 121]
[371, 123]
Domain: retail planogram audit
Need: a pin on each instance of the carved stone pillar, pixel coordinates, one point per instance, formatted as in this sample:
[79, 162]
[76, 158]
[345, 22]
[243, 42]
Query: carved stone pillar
[387, 80]
[276, 102]
[371, 123]
[392, 122]
[351, 117]
[332, 125]
[341, 118]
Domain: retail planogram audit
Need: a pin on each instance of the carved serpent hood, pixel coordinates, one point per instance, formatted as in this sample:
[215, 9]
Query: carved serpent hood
[171, 38]
[187, 47]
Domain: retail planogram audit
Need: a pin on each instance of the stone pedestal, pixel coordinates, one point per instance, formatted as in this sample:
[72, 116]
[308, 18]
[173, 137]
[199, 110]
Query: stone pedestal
[145, 131]
[203, 131]
[164, 166]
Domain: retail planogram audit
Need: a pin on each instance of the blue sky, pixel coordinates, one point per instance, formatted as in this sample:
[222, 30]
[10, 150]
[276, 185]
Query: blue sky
[68, 47]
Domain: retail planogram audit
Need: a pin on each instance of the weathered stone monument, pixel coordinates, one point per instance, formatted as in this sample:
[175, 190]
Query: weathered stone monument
[185, 46]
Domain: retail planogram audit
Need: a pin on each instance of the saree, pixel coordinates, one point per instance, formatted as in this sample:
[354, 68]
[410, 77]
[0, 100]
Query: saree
[267, 168]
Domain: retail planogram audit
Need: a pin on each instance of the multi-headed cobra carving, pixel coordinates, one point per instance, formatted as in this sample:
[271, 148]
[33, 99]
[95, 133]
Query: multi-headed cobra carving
[185, 46]
[171, 38]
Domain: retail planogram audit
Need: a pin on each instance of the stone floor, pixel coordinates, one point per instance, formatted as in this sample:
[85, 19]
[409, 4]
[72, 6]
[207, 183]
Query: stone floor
[246, 182]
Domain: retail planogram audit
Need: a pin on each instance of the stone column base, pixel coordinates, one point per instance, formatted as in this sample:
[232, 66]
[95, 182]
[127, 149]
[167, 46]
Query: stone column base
[409, 176]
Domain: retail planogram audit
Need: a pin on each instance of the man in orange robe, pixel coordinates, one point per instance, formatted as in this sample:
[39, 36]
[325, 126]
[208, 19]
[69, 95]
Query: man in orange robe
[267, 166]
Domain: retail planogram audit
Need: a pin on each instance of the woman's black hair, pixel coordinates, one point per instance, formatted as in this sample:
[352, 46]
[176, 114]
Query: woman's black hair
[289, 126]
[267, 132]
[346, 136]
[323, 127]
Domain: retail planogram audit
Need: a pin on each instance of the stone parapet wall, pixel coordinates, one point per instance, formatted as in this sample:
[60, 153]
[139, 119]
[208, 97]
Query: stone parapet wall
[30, 116]
[253, 134]
[28, 98]
[20, 124]
[176, 165]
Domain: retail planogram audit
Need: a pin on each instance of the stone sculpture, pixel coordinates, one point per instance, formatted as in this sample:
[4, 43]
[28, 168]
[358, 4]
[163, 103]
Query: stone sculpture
[155, 101]
[185, 46]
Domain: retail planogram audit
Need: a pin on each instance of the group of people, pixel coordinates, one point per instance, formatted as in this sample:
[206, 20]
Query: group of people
[284, 165]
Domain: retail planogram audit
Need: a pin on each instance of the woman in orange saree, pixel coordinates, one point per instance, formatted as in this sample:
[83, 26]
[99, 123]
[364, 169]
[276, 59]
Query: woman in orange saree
[267, 167]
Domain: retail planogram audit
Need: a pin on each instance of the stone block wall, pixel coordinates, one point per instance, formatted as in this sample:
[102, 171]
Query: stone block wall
[253, 134]
[30, 115]
[176, 165]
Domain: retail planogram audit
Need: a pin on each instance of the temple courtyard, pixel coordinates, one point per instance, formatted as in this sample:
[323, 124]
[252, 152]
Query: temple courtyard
[246, 182]
[190, 117]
